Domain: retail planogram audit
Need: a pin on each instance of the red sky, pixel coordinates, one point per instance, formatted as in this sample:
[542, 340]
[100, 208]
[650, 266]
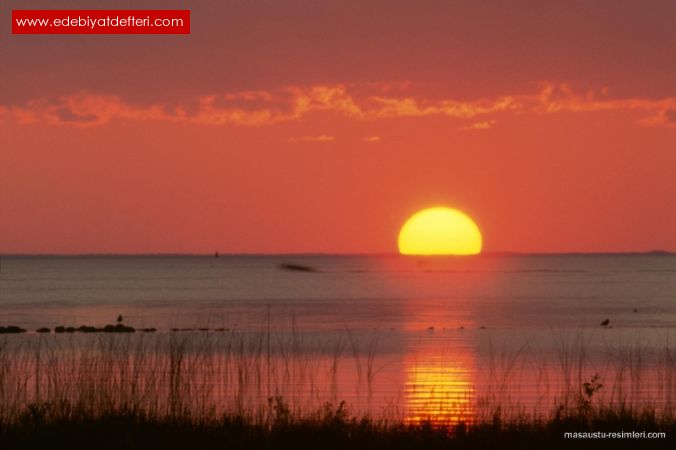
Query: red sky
[321, 126]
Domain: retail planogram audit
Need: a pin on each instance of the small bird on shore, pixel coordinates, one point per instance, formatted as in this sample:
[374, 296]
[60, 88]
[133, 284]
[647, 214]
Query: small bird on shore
[605, 323]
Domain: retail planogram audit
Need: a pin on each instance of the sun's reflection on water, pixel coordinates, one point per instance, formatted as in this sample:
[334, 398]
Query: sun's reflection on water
[439, 366]
[439, 388]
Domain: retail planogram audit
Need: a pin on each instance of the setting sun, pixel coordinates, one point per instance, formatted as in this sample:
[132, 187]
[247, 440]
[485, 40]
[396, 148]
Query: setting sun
[439, 231]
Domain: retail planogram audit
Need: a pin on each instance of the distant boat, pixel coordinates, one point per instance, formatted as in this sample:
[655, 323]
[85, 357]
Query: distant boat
[297, 267]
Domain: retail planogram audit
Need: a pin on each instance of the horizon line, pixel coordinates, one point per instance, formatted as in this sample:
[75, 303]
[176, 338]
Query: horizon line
[292, 254]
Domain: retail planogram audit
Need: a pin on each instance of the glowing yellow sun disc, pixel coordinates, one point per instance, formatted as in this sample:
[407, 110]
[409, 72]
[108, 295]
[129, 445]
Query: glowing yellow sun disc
[440, 231]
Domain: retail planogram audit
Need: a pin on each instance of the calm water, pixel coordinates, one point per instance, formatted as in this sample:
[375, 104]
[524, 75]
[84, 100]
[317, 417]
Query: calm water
[422, 336]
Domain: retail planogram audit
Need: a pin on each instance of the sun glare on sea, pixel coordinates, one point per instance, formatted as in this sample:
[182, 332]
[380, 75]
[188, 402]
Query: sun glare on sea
[440, 231]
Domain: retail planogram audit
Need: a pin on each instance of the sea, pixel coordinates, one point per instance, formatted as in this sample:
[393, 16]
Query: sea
[411, 337]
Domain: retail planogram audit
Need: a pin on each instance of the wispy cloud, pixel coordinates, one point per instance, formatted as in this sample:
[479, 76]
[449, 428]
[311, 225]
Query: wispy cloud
[486, 124]
[664, 117]
[320, 138]
[365, 102]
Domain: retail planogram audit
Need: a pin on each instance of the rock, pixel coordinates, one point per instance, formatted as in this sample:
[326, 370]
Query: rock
[119, 328]
[11, 329]
[297, 267]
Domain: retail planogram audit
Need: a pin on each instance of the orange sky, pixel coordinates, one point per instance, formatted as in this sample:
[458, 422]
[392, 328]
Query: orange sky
[302, 127]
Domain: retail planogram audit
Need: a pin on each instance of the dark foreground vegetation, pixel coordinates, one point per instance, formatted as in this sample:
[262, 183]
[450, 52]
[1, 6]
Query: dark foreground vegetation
[239, 390]
[330, 429]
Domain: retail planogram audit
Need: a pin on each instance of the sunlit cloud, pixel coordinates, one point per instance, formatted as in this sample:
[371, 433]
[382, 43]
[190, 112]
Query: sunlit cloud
[368, 102]
[372, 139]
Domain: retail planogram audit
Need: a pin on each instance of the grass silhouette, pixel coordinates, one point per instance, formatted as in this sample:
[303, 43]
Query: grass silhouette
[236, 390]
